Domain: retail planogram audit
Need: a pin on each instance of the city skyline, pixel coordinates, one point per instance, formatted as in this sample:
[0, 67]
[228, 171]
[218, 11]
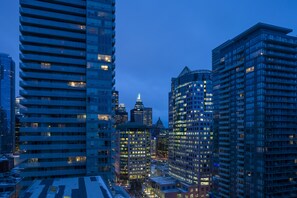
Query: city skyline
[157, 35]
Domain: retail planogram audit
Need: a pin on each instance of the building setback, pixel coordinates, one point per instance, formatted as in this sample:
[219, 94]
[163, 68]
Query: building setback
[7, 103]
[255, 89]
[67, 79]
[190, 105]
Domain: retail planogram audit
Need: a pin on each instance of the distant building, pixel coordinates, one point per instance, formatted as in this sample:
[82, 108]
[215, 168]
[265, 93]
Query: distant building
[168, 187]
[133, 157]
[18, 117]
[121, 115]
[162, 145]
[141, 114]
[7, 100]
[147, 116]
[190, 140]
[115, 100]
[255, 125]
[86, 187]
[159, 141]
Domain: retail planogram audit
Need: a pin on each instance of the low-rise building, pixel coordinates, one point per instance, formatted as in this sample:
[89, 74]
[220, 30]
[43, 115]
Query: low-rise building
[168, 187]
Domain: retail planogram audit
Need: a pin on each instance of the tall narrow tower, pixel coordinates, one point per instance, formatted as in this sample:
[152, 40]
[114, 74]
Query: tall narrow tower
[67, 78]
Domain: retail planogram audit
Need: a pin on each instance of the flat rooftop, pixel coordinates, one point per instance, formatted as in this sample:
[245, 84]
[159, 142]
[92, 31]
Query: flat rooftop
[164, 180]
[78, 187]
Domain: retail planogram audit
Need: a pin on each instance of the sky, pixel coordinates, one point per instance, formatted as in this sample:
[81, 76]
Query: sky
[156, 39]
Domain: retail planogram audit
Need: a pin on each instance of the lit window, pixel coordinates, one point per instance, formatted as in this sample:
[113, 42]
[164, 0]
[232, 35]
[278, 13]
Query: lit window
[82, 27]
[34, 125]
[104, 67]
[76, 84]
[45, 65]
[103, 117]
[83, 116]
[104, 58]
[250, 69]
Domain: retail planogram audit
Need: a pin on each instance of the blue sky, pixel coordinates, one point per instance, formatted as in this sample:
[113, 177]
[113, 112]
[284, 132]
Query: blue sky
[157, 38]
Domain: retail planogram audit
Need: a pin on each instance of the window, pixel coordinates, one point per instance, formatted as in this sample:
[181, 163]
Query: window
[104, 67]
[76, 84]
[250, 69]
[45, 65]
[103, 117]
[104, 58]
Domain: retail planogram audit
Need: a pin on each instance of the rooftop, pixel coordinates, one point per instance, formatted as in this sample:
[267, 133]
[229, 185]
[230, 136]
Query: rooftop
[163, 180]
[78, 187]
[253, 29]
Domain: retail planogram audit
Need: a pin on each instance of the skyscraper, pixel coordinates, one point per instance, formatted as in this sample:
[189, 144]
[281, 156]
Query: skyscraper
[190, 138]
[7, 97]
[254, 76]
[141, 114]
[67, 71]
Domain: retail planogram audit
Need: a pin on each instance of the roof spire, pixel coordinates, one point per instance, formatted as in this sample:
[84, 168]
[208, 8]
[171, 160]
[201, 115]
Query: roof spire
[138, 97]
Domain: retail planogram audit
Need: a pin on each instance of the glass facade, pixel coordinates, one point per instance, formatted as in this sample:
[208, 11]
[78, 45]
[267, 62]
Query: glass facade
[255, 77]
[7, 103]
[191, 134]
[67, 71]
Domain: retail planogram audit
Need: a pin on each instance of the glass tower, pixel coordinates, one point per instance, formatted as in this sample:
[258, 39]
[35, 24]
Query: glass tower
[255, 111]
[191, 133]
[67, 78]
[7, 102]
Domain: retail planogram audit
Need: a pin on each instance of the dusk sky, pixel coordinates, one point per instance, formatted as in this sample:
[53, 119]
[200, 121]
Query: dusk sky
[155, 39]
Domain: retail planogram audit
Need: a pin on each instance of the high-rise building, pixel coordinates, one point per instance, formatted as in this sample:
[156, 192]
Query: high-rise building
[255, 89]
[115, 100]
[121, 115]
[18, 116]
[67, 78]
[148, 116]
[7, 97]
[190, 139]
[141, 114]
[133, 162]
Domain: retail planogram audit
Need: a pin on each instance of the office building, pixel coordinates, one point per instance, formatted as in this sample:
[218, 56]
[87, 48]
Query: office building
[254, 78]
[18, 116]
[168, 187]
[115, 100]
[190, 145]
[148, 116]
[67, 78]
[141, 114]
[133, 156]
[121, 115]
[7, 97]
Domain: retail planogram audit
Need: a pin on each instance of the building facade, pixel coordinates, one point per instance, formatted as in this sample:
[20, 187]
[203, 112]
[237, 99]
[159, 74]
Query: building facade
[190, 139]
[67, 79]
[254, 76]
[133, 162]
[7, 97]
